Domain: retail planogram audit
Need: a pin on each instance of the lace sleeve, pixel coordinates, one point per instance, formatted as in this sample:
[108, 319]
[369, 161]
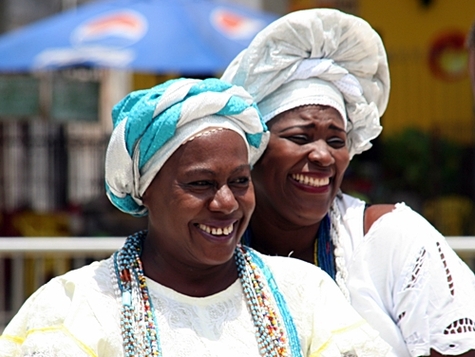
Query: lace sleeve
[433, 289]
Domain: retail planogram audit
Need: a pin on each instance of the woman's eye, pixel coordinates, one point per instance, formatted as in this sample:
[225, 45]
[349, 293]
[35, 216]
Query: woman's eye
[299, 139]
[242, 181]
[336, 142]
[200, 183]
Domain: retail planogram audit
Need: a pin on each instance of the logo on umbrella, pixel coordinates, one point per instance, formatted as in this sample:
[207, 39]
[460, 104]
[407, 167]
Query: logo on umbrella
[234, 25]
[117, 29]
[101, 40]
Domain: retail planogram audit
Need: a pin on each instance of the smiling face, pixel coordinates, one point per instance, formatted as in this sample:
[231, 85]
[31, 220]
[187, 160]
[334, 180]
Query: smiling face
[201, 201]
[302, 168]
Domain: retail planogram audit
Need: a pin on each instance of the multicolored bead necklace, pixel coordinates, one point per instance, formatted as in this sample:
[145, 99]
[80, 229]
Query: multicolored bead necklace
[275, 332]
[327, 250]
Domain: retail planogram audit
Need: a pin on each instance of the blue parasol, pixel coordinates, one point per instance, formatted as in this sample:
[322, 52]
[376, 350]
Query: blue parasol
[183, 36]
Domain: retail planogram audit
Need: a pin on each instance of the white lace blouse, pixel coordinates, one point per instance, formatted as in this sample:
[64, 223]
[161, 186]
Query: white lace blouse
[77, 315]
[407, 282]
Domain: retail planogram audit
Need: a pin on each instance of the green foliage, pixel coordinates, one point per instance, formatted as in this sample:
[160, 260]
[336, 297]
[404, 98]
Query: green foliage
[418, 161]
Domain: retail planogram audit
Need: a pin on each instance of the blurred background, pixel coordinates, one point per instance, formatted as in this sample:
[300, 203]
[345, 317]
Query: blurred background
[55, 123]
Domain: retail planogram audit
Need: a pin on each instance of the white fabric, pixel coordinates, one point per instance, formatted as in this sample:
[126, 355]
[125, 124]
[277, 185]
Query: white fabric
[77, 315]
[314, 67]
[298, 93]
[353, 49]
[398, 281]
[183, 135]
[151, 118]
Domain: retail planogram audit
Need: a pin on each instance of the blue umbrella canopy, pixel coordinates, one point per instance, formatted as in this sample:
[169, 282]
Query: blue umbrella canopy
[183, 36]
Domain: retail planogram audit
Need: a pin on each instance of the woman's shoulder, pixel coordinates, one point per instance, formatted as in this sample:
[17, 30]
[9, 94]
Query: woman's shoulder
[281, 263]
[319, 308]
[294, 272]
[402, 220]
[395, 217]
[77, 302]
[402, 236]
[94, 277]
[302, 283]
[55, 300]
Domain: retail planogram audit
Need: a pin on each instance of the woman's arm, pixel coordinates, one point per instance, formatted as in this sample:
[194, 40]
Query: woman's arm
[470, 353]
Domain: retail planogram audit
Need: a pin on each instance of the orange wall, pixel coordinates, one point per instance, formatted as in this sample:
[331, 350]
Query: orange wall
[419, 98]
[406, 23]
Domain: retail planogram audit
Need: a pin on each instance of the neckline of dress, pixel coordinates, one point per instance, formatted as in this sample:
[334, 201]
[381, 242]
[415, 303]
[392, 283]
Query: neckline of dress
[275, 331]
[157, 288]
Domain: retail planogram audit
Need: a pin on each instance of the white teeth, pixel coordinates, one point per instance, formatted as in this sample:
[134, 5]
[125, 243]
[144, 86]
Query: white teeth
[311, 181]
[216, 231]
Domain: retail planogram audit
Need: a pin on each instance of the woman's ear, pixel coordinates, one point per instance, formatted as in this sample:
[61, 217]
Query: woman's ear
[145, 198]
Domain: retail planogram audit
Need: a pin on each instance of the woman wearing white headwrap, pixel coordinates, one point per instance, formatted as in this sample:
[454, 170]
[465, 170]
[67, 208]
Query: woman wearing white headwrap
[181, 153]
[321, 81]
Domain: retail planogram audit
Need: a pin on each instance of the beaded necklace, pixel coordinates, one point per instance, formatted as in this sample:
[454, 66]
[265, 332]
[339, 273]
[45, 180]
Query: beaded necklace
[328, 253]
[323, 248]
[275, 331]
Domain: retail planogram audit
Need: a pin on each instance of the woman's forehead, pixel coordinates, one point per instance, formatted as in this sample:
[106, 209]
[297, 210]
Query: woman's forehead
[307, 113]
[213, 145]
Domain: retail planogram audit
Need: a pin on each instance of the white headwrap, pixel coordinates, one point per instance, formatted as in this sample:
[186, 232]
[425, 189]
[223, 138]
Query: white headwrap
[318, 56]
[150, 125]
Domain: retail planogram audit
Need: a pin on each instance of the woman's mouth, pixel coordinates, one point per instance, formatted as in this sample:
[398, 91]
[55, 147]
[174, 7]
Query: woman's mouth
[216, 231]
[311, 181]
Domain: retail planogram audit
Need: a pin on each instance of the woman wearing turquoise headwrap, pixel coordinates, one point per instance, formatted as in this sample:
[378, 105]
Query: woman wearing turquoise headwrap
[181, 153]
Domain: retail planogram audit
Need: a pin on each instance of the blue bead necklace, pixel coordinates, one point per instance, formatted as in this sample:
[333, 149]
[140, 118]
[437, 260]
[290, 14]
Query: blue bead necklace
[323, 248]
[275, 331]
[324, 256]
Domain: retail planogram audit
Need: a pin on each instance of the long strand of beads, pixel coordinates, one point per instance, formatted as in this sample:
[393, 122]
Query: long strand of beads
[150, 323]
[269, 332]
[130, 277]
[126, 322]
[137, 310]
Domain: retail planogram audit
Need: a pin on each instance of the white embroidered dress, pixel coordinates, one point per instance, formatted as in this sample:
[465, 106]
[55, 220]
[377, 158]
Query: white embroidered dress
[407, 282]
[77, 314]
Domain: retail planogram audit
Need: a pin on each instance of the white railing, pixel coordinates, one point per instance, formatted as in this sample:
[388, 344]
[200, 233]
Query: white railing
[27, 263]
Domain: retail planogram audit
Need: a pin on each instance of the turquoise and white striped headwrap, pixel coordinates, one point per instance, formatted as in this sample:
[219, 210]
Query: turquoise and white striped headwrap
[150, 125]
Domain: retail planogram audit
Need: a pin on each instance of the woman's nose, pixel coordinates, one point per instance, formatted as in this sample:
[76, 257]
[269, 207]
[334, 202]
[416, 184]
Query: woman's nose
[224, 201]
[320, 153]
